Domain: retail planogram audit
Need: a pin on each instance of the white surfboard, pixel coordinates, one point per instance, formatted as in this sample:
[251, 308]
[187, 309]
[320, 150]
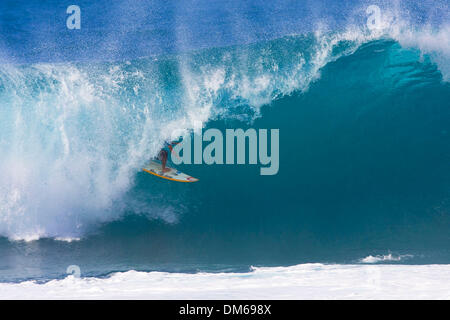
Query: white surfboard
[155, 168]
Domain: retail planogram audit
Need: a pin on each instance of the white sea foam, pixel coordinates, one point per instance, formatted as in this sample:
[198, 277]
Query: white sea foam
[306, 281]
[384, 258]
[70, 148]
[67, 239]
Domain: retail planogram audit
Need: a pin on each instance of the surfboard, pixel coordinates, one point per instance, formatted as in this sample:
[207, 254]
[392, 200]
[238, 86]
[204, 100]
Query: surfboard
[155, 168]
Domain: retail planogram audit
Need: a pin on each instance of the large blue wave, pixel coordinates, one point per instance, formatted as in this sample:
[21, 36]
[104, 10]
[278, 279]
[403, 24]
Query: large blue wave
[363, 119]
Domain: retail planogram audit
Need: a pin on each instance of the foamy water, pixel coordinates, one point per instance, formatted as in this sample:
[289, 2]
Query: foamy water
[306, 281]
[384, 258]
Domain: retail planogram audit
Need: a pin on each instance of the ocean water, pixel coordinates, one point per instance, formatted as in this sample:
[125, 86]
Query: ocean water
[364, 120]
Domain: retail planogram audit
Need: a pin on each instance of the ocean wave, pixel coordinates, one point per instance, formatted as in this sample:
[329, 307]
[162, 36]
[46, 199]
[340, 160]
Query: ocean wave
[74, 135]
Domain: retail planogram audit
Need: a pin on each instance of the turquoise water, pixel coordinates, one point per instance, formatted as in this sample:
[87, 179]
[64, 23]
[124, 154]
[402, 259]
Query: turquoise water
[364, 134]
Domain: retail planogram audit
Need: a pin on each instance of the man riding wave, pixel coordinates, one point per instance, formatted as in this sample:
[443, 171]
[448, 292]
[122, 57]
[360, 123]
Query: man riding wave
[164, 154]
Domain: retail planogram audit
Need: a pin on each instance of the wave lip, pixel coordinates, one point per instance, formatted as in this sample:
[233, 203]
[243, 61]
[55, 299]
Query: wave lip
[305, 281]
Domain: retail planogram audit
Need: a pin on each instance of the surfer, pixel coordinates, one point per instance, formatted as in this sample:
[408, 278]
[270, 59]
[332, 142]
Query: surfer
[164, 154]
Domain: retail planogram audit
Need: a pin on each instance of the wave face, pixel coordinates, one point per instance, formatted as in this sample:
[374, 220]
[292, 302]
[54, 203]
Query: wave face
[364, 128]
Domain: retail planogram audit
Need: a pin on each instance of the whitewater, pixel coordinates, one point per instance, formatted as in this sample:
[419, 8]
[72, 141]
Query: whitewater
[308, 281]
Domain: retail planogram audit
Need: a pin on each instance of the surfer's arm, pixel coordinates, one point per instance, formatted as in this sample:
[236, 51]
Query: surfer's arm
[171, 145]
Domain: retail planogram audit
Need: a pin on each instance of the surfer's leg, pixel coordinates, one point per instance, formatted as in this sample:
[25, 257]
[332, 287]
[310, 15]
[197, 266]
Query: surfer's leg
[163, 157]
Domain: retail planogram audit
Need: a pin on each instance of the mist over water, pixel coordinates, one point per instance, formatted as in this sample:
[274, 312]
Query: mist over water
[363, 117]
